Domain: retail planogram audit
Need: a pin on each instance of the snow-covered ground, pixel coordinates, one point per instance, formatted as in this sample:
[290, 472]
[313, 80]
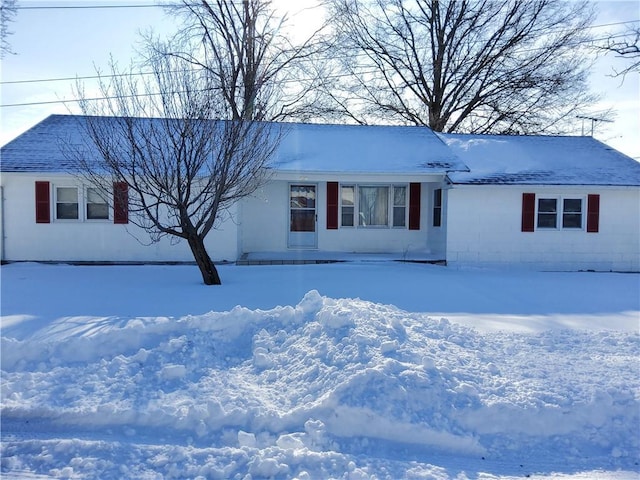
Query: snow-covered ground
[353, 370]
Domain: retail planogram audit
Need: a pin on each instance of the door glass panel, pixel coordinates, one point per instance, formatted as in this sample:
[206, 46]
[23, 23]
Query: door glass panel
[302, 205]
[303, 221]
[303, 196]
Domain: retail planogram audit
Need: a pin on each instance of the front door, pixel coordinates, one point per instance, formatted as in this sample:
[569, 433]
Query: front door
[302, 216]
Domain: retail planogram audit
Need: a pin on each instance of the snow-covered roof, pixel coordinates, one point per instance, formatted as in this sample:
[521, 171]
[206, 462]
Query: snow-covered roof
[540, 160]
[304, 148]
[364, 149]
[39, 148]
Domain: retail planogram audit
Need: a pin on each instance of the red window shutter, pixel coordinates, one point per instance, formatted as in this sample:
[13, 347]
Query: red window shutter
[528, 212]
[593, 213]
[332, 205]
[120, 202]
[43, 205]
[414, 206]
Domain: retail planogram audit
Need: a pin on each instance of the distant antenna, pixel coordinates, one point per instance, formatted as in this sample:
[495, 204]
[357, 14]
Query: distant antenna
[593, 122]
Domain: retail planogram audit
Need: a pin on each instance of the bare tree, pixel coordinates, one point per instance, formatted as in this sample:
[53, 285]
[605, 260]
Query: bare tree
[481, 66]
[243, 44]
[627, 47]
[183, 167]
[8, 10]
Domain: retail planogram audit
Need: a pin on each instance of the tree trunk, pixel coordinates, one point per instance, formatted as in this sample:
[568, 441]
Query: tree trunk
[207, 268]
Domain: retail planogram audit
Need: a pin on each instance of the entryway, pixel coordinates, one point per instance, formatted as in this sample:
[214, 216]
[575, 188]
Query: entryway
[303, 218]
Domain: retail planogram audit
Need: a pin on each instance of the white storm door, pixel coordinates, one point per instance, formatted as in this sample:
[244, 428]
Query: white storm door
[302, 216]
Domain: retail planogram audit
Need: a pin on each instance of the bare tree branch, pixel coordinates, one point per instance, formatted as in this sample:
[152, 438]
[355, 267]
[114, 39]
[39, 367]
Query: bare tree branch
[627, 48]
[166, 136]
[259, 72]
[8, 12]
[481, 66]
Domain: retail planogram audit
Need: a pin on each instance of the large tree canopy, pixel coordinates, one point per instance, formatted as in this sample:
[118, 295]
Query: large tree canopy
[483, 66]
[258, 71]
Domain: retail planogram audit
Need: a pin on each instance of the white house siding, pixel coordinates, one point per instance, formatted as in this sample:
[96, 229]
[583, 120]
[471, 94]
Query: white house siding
[88, 240]
[263, 219]
[265, 222]
[484, 229]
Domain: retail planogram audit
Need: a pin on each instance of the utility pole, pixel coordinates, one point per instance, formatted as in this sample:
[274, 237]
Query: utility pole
[593, 122]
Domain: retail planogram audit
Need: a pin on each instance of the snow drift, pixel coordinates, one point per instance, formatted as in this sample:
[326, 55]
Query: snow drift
[330, 388]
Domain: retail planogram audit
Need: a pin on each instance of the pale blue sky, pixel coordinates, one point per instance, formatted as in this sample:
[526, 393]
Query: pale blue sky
[62, 43]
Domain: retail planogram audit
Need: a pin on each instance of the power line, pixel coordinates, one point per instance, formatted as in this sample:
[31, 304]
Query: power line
[86, 77]
[95, 77]
[77, 100]
[164, 5]
[89, 7]
[105, 6]
[65, 79]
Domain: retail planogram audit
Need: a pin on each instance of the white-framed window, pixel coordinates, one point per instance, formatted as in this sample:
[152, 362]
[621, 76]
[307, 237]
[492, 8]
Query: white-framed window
[79, 203]
[399, 206]
[96, 205]
[66, 200]
[560, 212]
[347, 205]
[437, 207]
[572, 212]
[373, 206]
[547, 213]
[68, 203]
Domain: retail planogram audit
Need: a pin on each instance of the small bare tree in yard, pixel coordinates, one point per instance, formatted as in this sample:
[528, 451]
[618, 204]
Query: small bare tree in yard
[478, 66]
[184, 159]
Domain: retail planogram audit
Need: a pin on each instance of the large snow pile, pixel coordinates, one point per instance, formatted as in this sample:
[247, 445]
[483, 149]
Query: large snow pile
[330, 388]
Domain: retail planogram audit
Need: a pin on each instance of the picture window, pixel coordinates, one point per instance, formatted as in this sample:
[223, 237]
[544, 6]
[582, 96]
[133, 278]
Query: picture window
[373, 206]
